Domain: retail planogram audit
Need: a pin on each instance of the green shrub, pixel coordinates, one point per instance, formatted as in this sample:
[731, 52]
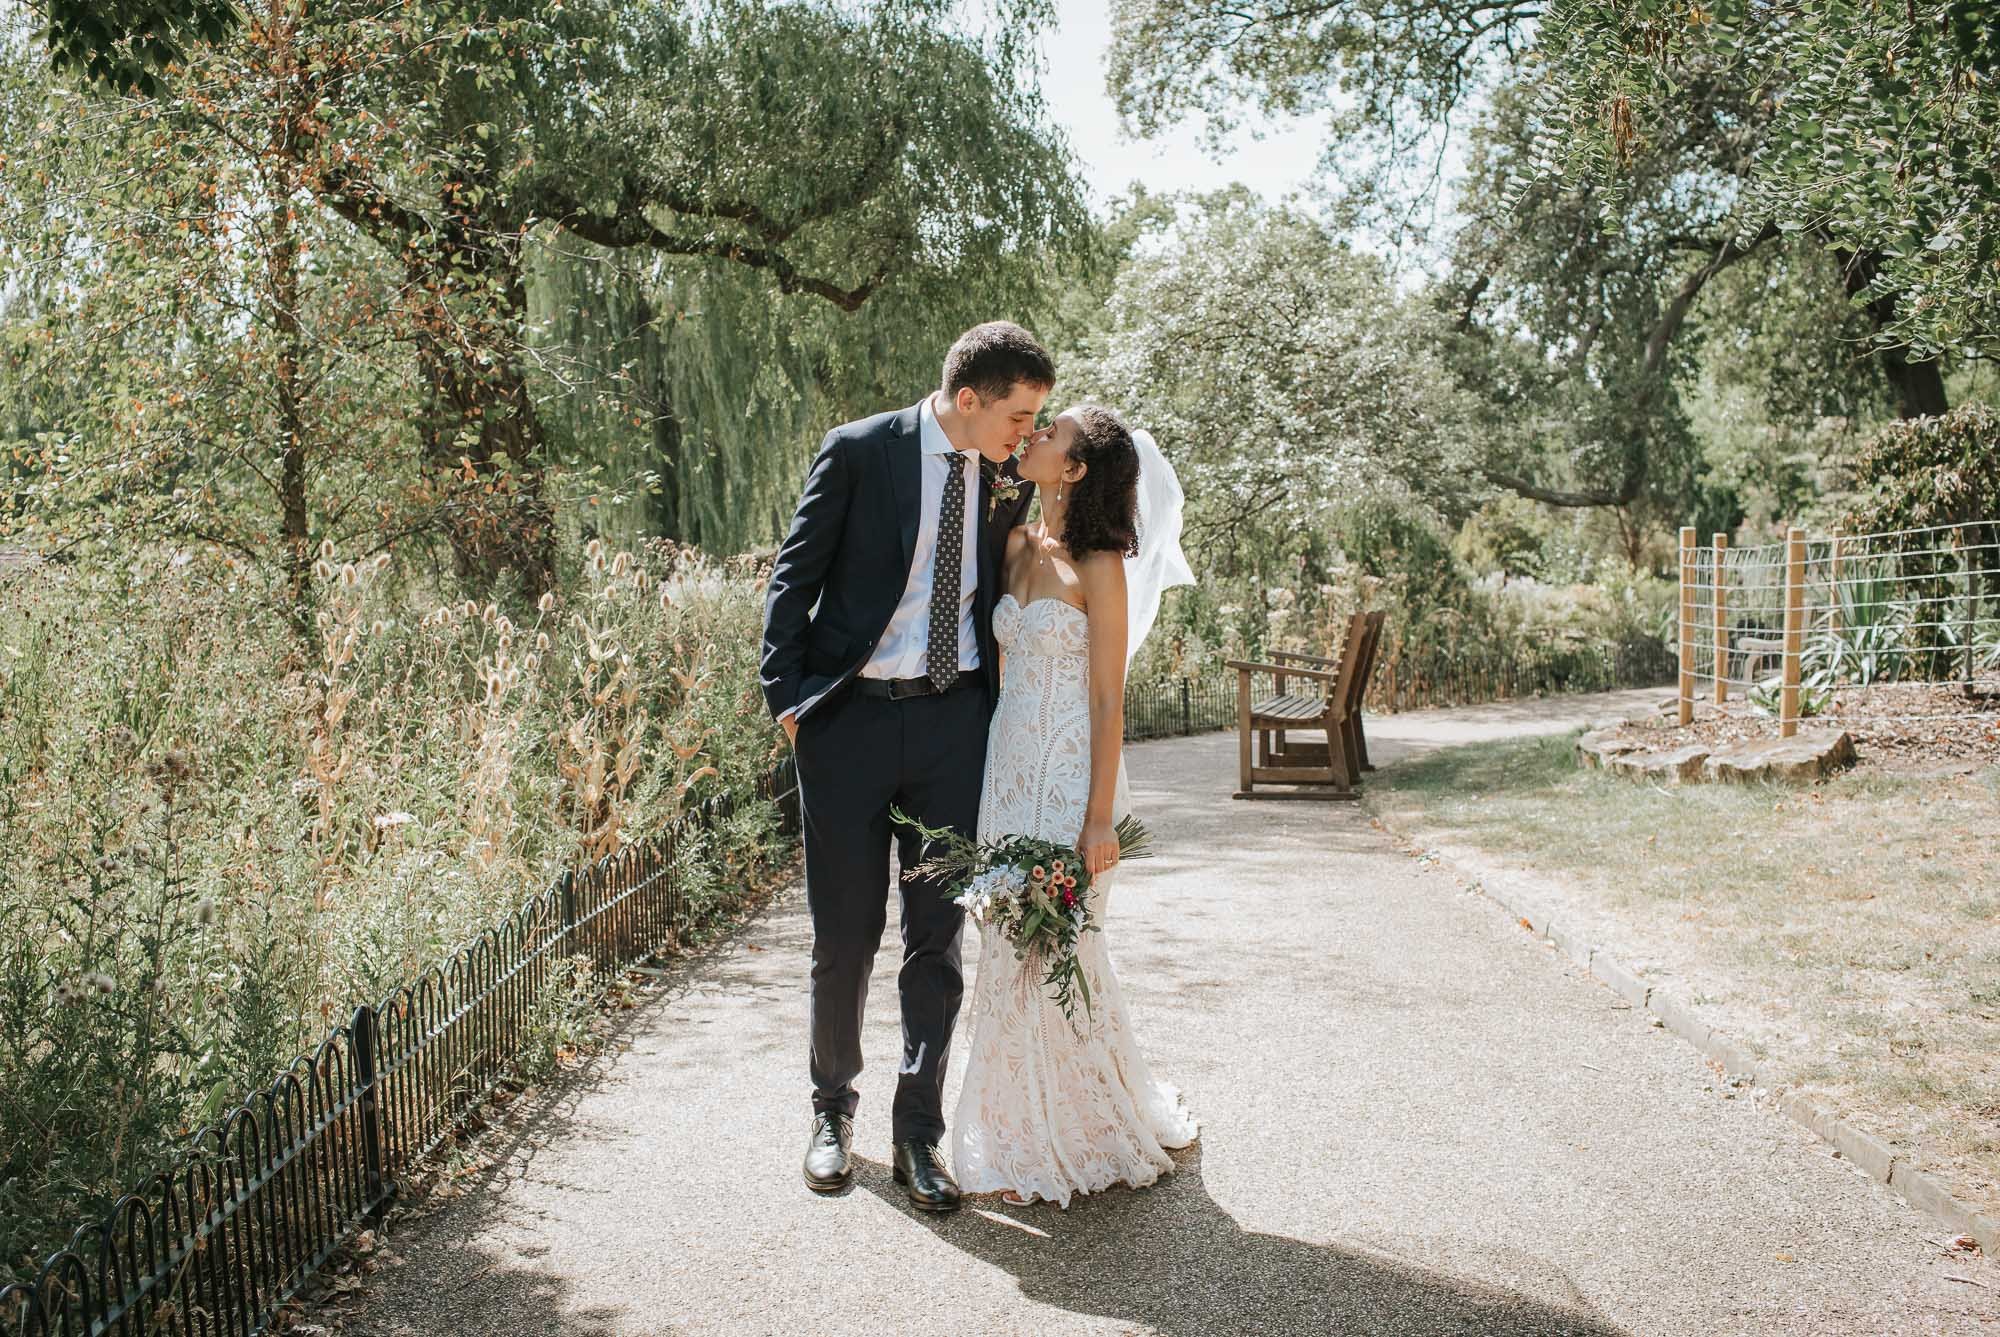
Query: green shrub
[214, 842]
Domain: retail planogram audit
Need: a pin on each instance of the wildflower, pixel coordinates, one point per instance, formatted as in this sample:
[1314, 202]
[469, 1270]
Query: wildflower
[204, 911]
[349, 577]
[173, 768]
[621, 564]
[99, 982]
[542, 641]
[378, 627]
[326, 550]
[547, 602]
[488, 613]
[594, 549]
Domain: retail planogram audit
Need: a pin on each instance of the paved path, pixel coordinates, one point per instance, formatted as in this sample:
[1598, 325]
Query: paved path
[1417, 1120]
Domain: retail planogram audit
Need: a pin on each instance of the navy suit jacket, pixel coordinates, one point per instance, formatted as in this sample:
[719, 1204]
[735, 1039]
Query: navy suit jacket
[842, 569]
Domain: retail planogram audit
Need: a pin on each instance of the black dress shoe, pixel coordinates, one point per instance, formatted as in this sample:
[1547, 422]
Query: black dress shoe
[828, 1164]
[920, 1169]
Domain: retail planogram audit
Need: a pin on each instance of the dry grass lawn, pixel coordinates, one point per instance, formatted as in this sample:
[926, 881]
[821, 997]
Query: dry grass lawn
[1849, 934]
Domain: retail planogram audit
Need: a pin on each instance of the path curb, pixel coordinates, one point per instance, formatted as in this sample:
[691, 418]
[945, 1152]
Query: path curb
[1514, 892]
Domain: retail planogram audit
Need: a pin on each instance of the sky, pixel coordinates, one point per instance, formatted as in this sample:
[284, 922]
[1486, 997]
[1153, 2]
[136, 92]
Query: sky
[1283, 161]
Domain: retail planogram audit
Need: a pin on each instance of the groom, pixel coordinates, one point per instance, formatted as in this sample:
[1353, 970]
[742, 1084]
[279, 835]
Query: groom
[879, 662]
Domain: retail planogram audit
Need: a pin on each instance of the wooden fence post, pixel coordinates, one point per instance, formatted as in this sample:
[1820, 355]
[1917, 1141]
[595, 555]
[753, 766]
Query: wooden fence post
[1720, 586]
[1833, 591]
[1687, 625]
[1795, 629]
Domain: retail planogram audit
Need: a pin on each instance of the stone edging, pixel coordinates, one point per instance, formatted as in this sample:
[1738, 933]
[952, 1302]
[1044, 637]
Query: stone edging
[1870, 1154]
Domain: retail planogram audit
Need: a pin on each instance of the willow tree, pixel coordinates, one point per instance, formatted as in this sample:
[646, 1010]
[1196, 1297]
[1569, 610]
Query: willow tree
[775, 171]
[846, 157]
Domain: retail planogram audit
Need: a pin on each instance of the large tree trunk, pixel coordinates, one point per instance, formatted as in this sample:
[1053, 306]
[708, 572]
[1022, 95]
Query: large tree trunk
[1919, 385]
[295, 516]
[483, 445]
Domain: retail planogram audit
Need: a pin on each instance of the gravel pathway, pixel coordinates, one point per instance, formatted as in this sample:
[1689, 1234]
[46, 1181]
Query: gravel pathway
[1416, 1119]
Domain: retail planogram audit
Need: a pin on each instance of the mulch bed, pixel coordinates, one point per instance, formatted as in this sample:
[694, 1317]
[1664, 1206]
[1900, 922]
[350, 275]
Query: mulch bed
[1899, 726]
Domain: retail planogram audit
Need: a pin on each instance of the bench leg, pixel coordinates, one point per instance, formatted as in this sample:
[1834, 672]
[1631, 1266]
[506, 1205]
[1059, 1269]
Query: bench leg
[1357, 745]
[1243, 786]
[1340, 766]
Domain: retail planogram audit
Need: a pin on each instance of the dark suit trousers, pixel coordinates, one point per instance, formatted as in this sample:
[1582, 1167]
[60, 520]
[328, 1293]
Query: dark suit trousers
[858, 756]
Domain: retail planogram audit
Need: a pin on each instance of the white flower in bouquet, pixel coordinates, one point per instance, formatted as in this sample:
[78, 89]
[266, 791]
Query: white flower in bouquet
[1000, 883]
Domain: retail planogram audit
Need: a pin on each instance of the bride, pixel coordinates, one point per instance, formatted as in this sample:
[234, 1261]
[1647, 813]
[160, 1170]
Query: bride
[1052, 1108]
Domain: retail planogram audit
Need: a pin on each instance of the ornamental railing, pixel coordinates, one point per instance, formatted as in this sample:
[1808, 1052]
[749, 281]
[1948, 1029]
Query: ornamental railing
[265, 1196]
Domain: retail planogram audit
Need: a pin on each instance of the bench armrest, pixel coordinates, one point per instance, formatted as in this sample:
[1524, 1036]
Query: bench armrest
[1247, 667]
[1281, 656]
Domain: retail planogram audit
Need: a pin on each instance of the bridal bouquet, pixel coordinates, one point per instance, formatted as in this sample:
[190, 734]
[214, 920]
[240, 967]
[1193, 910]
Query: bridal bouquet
[1036, 892]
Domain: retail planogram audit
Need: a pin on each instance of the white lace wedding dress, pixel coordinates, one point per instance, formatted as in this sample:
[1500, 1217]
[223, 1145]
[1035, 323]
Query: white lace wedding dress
[1050, 1107]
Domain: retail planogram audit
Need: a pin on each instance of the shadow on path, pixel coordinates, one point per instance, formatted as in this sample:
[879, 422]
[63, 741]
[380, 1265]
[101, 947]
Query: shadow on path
[1170, 1258]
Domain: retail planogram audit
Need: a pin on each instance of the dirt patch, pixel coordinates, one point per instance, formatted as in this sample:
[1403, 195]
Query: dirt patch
[1897, 728]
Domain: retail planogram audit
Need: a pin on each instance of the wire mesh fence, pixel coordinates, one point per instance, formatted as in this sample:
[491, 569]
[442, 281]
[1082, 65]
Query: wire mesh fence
[217, 1244]
[1862, 627]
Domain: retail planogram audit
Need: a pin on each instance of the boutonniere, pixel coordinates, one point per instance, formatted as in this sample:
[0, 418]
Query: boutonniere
[1002, 488]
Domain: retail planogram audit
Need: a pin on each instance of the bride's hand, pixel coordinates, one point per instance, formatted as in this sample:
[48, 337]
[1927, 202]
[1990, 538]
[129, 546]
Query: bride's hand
[1099, 847]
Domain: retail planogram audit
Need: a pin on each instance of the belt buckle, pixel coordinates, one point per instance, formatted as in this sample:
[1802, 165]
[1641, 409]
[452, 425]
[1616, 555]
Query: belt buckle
[904, 688]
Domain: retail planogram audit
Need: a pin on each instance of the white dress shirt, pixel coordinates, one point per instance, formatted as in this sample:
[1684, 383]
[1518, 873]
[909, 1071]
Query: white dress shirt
[901, 651]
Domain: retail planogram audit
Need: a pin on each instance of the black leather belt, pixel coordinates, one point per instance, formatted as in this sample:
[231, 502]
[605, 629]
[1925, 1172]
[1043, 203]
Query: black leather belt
[897, 689]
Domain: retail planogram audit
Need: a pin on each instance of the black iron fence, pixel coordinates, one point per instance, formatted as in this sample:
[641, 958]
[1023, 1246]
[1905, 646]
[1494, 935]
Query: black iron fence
[1405, 680]
[215, 1245]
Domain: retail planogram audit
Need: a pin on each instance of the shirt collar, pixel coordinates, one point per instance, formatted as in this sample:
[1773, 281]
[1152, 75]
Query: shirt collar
[930, 432]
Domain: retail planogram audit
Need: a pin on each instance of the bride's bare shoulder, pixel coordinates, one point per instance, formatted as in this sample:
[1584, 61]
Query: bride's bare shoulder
[1104, 568]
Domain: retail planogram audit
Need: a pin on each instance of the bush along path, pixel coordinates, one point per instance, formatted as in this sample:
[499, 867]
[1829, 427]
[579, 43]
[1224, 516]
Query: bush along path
[1416, 1118]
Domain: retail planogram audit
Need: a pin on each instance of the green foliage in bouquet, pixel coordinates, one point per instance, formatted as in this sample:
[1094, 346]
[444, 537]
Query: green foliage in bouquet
[1037, 892]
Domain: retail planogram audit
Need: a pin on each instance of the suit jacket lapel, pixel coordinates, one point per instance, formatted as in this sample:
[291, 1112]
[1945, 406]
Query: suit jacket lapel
[982, 526]
[906, 479]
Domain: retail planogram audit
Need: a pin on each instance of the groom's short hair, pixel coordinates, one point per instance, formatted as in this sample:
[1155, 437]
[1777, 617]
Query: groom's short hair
[994, 358]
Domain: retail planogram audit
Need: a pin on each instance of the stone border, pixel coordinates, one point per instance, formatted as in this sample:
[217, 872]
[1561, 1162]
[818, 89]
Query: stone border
[1810, 756]
[1921, 1189]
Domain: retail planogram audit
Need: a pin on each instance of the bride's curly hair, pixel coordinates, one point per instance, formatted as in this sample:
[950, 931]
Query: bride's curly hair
[1104, 503]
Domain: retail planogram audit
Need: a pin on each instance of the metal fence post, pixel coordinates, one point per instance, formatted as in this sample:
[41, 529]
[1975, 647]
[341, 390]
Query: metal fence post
[366, 1053]
[1187, 708]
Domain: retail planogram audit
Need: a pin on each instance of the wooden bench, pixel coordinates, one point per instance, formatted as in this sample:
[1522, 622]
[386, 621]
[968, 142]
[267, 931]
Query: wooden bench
[1326, 698]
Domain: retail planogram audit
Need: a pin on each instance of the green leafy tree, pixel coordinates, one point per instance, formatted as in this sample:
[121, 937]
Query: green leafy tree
[449, 157]
[1580, 291]
[1879, 136]
[1281, 372]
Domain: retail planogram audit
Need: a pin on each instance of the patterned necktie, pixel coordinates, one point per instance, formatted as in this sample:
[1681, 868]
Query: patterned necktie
[941, 657]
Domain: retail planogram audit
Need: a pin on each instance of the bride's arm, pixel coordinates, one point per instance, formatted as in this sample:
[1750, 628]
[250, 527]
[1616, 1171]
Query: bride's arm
[1103, 577]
